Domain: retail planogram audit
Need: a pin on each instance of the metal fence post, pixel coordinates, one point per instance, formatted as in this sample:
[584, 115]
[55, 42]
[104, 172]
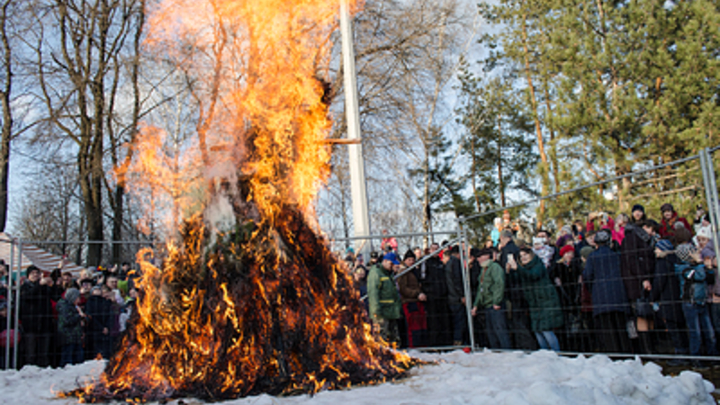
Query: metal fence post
[708, 171]
[466, 282]
[10, 304]
[17, 302]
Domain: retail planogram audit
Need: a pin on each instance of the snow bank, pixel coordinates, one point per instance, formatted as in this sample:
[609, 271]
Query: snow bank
[540, 378]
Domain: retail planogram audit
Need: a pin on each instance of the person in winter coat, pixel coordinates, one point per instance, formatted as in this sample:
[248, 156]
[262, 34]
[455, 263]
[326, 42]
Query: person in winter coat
[545, 311]
[413, 300]
[637, 214]
[637, 265]
[490, 299]
[70, 328]
[436, 307]
[456, 296]
[667, 294]
[602, 276]
[384, 300]
[670, 221]
[36, 317]
[518, 320]
[99, 312]
[565, 274]
[694, 278]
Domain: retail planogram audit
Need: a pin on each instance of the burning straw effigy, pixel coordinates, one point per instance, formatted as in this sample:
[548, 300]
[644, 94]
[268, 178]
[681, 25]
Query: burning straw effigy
[248, 298]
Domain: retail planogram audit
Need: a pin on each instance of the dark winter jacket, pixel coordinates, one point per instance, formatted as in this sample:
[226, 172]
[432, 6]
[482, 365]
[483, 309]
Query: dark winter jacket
[603, 277]
[408, 287]
[435, 283]
[666, 290]
[454, 279]
[513, 286]
[100, 314]
[693, 282]
[637, 260]
[36, 308]
[569, 289]
[545, 311]
[69, 323]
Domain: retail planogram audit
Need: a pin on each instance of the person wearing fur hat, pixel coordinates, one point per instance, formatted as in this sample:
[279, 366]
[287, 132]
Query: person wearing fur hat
[413, 306]
[602, 276]
[70, 327]
[670, 221]
[694, 278]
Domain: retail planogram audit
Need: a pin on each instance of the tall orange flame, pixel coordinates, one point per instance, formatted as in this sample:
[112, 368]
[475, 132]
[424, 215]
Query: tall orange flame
[261, 305]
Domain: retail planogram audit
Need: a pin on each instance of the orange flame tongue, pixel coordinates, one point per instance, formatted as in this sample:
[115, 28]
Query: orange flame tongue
[264, 306]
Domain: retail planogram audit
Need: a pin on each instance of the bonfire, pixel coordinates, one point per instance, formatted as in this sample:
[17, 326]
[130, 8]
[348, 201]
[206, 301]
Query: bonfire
[248, 298]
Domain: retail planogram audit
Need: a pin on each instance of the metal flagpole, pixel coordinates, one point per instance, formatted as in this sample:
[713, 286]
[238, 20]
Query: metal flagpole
[466, 282]
[361, 218]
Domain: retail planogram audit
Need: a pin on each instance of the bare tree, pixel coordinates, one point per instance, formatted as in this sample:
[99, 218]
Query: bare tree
[79, 49]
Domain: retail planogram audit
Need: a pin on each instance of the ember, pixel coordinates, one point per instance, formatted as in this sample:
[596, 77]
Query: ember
[258, 305]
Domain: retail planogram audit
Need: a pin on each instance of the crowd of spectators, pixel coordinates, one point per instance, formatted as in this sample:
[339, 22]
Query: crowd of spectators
[628, 284]
[66, 318]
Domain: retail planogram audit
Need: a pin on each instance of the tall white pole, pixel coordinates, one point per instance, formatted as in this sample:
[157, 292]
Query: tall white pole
[361, 218]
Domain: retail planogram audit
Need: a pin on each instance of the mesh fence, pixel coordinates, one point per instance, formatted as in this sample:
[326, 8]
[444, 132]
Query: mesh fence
[595, 277]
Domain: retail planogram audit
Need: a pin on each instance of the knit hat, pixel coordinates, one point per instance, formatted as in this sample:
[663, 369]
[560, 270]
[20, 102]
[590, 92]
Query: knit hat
[565, 249]
[475, 252]
[72, 294]
[585, 252]
[567, 229]
[602, 236]
[664, 245]
[392, 257]
[684, 252]
[667, 207]
[705, 232]
[638, 207]
[409, 254]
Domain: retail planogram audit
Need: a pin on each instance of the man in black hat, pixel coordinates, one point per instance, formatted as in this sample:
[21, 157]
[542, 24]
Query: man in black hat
[437, 312]
[456, 296]
[36, 317]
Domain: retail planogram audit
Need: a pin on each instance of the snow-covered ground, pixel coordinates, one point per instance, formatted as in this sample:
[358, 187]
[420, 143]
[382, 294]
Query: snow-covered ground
[459, 378]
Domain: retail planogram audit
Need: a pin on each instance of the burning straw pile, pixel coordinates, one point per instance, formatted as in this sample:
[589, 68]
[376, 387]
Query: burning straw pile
[258, 305]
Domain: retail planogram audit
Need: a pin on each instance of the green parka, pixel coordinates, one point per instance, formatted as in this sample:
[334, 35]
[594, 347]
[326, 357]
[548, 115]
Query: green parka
[383, 297]
[491, 286]
[542, 298]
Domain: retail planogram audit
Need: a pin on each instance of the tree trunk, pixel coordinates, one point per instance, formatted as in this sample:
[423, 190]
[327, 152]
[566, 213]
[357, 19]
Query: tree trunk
[7, 116]
[538, 130]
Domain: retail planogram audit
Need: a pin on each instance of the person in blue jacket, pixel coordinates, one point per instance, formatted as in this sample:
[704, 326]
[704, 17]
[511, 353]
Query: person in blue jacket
[603, 277]
[694, 278]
